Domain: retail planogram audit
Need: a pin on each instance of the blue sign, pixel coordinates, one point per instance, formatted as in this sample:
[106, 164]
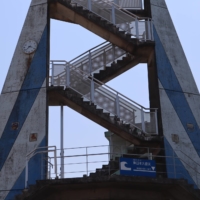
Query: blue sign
[137, 167]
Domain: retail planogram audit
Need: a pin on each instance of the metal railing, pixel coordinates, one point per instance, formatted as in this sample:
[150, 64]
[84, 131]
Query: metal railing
[140, 28]
[91, 61]
[120, 107]
[129, 4]
[82, 161]
[42, 150]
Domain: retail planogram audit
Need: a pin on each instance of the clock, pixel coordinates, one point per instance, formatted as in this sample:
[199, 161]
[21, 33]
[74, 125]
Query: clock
[29, 46]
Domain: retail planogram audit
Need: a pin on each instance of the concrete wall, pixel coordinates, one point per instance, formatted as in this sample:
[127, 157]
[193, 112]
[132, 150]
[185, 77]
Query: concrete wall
[23, 100]
[179, 97]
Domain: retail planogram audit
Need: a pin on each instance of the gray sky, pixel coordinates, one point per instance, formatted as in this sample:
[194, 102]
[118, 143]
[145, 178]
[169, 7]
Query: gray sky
[68, 41]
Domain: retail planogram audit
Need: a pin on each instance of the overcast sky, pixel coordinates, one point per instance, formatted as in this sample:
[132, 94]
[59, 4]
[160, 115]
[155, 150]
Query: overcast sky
[68, 41]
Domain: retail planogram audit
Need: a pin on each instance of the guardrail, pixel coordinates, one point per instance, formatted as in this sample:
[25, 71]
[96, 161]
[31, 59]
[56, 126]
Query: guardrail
[91, 61]
[140, 28]
[41, 150]
[81, 161]
[110, 100]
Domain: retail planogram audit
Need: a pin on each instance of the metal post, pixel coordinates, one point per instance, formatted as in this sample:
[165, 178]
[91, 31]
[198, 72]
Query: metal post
[117, 112]
[113, 15]
[137, 28]
[142, 120]
[104, 59]
[89, 5]
[90, 63]
[152, 38]
[26, 174]
[156, 121]
[149, 29]
[92, 91]
[67, 69]
[55, 162]
[174, 166]
[50, 168]
[87, 161]
[113, 52]
[52, 75]
[61, 143]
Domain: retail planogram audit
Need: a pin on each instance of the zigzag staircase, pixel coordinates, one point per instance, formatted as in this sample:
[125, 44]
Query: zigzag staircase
[105, 62]
[80, 82]
[109, 21]
[105, 106]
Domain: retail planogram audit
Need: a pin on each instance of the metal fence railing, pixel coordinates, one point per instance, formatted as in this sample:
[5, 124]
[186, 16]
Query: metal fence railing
[111, 11]
[86, 161]
[91, 61]
[140, 119]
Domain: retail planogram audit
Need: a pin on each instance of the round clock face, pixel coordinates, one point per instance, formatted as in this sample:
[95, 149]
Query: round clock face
[29, 46]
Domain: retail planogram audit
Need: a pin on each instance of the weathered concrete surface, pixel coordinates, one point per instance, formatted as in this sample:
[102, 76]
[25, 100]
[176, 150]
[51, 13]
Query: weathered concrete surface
[113, 188]
[23, 101]
[178, 94]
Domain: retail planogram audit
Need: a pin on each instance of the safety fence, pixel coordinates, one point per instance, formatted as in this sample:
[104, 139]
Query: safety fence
[115, 13]
[103, 161]
[90, 62]
[106, 98]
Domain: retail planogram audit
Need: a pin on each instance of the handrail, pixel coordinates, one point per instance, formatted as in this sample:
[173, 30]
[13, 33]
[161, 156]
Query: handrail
[129, 13]
[120, 101]
[191, 170]
[190, 158]
[33, 153]
[122, 14]
[100, 50]
[89, 51]
[106, 86]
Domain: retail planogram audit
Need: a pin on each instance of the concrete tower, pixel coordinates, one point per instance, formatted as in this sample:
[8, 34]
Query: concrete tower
[27, 92]
[178, 96]
[23, 103]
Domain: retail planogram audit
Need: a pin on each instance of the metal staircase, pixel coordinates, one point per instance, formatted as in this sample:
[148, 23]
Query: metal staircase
[104, 62]
[80, 82]
[116, 15]
[108, 20]
[105, 106]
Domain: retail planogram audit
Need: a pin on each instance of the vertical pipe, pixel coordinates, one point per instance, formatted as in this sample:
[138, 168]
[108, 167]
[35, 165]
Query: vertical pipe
[149, 30]
[52, 75]
[113, 52]
[156, 121]
[87, 161]
[90, 63]
[142, 119]
[67, 75]
[113, 15]
[152, 38]
[92, 91]
[89, 5]
[55, 161]
[61, 143]
[137, 28]
[104, 59]
[117, 112]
